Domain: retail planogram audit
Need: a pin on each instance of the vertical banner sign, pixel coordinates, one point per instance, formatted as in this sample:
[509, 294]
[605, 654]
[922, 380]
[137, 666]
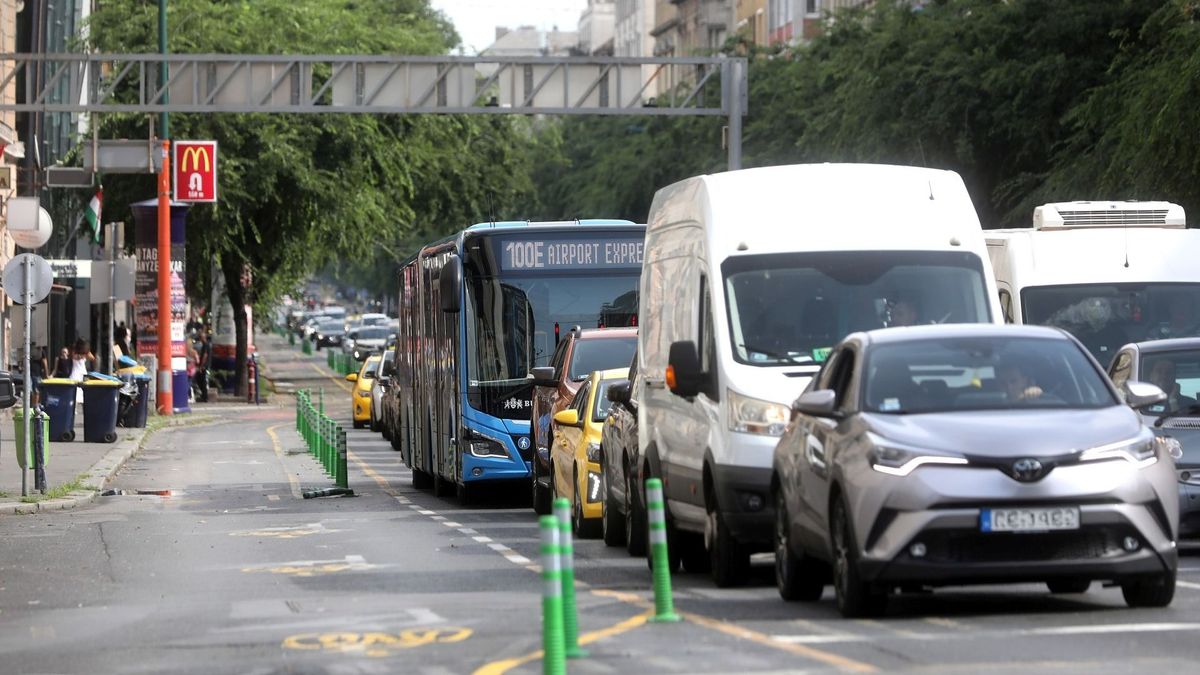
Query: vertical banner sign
[195, 165]
[145, 300]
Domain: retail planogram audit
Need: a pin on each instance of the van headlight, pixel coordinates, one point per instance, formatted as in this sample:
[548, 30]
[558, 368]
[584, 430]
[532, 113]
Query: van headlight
[1141, 452]
[900, 460]
[755, 416]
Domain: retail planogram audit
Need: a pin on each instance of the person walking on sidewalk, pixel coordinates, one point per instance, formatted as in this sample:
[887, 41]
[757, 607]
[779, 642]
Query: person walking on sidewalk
[203, 356]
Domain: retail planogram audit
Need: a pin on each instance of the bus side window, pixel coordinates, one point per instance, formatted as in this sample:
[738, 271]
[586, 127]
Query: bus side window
[1006, 305]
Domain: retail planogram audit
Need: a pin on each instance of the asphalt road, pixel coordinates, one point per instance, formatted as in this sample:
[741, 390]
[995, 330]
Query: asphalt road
[232, 572]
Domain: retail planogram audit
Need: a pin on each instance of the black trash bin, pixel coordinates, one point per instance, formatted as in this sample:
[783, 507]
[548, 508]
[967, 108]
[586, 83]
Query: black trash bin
[133, 416]
[100, 410]
[58, 400]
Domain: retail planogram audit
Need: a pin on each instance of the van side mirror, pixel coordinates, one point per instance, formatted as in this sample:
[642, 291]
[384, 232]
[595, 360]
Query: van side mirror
[683, 369]
[618, 392]
[450, 282]
[8, 392]
[1142, 394]
[543, 376]
[818, 403]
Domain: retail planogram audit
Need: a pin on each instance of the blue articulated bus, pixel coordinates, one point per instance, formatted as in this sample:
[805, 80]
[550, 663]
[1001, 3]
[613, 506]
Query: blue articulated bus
[478, 311]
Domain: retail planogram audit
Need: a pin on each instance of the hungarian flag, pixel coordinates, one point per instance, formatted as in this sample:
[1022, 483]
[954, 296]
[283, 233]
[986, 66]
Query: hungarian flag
[93, 214]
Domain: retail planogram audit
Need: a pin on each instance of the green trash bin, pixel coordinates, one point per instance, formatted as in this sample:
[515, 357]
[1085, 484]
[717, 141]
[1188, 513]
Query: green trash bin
[25, 459]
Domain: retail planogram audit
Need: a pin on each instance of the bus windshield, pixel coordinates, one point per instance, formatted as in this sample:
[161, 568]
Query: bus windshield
[514, 321]
[1106, 316]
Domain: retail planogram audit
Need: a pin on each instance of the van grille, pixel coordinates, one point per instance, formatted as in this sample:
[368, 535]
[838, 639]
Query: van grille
[1181, 423]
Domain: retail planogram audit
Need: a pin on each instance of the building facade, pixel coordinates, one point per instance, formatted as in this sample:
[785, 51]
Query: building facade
[531, 41]
[596, 28]
[798, 21]
[750, 21]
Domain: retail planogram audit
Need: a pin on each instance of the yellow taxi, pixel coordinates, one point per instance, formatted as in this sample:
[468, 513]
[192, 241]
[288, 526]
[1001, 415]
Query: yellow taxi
[360, 396]
[575, 453]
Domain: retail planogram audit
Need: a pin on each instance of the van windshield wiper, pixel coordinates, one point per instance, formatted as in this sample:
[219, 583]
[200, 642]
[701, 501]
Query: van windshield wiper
[1193, 409]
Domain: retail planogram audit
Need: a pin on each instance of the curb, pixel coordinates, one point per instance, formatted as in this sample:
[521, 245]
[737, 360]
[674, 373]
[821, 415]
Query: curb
[95, 478]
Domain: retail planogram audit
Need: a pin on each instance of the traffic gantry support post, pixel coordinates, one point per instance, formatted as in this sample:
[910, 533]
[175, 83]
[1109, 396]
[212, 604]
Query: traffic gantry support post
[664, 605]
[554, 660]
[566, 546]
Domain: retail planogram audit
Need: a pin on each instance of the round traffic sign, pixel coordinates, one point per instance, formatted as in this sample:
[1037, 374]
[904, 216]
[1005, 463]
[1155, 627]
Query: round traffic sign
[40, 279]
[35, 238]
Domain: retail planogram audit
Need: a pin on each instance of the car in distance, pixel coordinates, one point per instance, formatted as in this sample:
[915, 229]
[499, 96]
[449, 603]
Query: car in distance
[943, 455]
[623, 520]
[1173, 366]
[578, 353]
[360, 404]
[363, 341]
[575, 458]
[329, 333]
[380, 387]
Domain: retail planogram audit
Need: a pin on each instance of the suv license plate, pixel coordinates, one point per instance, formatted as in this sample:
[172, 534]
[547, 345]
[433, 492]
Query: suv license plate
[1029, 520]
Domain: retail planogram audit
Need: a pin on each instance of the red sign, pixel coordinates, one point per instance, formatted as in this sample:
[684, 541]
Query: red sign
[195, 165]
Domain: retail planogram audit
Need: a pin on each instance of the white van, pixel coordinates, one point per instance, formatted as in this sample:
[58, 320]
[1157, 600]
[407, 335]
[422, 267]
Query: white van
[1111, 273]
[749, 278]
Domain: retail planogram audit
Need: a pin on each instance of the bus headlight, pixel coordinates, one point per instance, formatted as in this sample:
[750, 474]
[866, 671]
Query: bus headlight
[485, 446]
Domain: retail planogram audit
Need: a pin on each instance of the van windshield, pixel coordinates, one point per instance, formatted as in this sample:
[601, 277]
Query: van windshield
[1104, 317]
[791, 308]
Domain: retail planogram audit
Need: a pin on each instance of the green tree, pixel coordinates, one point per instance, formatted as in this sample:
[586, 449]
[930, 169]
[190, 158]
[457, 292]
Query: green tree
[298, 192]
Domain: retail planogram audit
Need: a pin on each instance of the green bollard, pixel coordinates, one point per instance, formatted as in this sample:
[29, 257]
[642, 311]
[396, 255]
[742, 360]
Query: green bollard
[664, 606]
[339, 475]
[562, 512]
[321, 400]
[554, 660]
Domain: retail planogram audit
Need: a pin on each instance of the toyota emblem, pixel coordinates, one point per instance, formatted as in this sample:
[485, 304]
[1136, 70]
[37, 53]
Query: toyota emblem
[1027, 470]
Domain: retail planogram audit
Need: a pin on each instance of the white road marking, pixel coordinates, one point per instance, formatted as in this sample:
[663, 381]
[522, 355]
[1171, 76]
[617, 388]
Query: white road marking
[1094, 629]
[1112, 628]
[426, 512]
[496, 546]
[482, 539]
[468, 530]
[451, 523]
[518, 559]
[1187, 584]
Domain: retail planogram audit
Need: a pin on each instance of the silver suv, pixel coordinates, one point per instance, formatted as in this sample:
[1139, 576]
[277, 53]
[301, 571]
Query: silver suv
[942, 455]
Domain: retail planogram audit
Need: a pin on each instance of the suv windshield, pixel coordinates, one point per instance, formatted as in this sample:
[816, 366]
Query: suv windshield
[981, 373]
[1106, 316]
[372, 334]
[599, 354]
[793, 307]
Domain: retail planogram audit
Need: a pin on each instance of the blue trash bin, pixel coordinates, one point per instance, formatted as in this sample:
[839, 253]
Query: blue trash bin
[58, 400]
[181, 386]
[100, 410]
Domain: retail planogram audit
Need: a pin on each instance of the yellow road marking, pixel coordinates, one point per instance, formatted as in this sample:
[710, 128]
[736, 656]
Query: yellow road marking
[372, 474]
[828, 658]
[376, 644]
[503, 666]
[292, 480]
[338, 382]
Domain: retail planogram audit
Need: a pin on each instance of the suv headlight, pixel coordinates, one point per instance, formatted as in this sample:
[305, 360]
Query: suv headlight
[1141, 452]
[593, 452]
[899, 460]
[755, 416]
[485, 446]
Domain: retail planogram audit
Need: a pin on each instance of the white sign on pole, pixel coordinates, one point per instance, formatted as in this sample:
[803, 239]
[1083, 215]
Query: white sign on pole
[32, 288]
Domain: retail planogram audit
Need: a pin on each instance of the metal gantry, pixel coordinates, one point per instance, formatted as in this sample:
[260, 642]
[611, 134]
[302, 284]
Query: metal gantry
[223, 83]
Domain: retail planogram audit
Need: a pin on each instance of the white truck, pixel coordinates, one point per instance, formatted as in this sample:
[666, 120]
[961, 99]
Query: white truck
[749, 278]
[1110, 273]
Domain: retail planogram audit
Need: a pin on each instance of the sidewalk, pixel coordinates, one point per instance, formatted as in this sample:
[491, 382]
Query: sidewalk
[84, 467]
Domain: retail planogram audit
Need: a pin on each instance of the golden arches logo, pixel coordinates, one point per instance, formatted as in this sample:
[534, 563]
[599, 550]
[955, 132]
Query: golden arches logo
[196, 153]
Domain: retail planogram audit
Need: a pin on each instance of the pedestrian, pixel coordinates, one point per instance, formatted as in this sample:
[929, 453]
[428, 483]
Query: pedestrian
[62, 365]
[203, 356]
[121, 336]
[37, 368]
[82, 360]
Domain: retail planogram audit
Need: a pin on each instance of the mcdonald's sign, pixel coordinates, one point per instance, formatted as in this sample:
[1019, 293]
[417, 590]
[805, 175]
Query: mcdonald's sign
[195, 165]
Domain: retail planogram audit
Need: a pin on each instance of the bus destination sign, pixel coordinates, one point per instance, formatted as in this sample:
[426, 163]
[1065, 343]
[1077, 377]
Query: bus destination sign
[517, 255]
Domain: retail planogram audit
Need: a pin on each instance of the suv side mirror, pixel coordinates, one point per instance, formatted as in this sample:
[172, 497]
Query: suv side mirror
[818, 403]
[618, 392]
[8, 392]
[1141, 394]
[683, 369]
[567, 418]
[543, 376]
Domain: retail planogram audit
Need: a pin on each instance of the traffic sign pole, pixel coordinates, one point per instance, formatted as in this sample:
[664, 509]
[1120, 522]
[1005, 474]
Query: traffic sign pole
[165, 399]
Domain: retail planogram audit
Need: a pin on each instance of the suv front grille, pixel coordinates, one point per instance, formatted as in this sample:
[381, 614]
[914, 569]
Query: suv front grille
[957, 546]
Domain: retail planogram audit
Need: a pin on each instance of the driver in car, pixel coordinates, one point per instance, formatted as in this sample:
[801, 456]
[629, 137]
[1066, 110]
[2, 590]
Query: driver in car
[1161, 373]
[1017, 385]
